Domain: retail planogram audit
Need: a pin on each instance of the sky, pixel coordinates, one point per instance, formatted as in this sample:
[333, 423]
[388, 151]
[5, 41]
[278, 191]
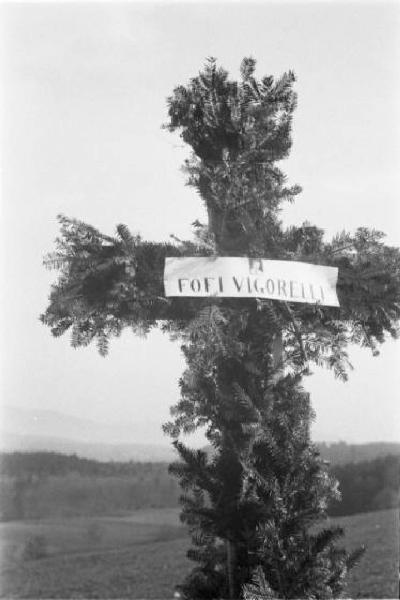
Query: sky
[84, 91]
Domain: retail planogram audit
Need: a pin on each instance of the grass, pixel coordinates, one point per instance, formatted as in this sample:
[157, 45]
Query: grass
[377, 575]
[82, 534]
[145, 571]
[143, 555]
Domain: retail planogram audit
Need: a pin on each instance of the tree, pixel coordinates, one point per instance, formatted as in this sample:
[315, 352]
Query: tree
[250, 504]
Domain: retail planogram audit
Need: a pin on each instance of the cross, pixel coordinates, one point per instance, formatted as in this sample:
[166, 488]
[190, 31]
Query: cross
[245, 357]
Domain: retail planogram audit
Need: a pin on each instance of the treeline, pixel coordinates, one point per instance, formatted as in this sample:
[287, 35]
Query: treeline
[43, 484]
[43, 464]
[367, 486]
[338, 453]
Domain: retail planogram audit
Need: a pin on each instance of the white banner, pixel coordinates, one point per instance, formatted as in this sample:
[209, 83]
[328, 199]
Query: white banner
[241, 277]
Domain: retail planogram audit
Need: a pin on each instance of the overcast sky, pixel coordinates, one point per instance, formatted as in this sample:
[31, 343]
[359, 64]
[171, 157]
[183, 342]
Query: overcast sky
[85, 90]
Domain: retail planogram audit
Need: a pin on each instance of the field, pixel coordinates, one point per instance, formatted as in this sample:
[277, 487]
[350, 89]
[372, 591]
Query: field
[142, 555]
[377, 575]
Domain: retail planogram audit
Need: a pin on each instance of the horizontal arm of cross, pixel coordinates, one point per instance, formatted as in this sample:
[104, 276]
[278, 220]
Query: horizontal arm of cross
[106, 284]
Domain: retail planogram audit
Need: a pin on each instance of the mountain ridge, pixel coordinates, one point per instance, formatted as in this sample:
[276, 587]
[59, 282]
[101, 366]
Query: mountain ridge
[10, 442]
[51, 423]
[32, 430]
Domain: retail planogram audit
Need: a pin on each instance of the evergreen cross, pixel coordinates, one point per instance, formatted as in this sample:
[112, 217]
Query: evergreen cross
[251, 502]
